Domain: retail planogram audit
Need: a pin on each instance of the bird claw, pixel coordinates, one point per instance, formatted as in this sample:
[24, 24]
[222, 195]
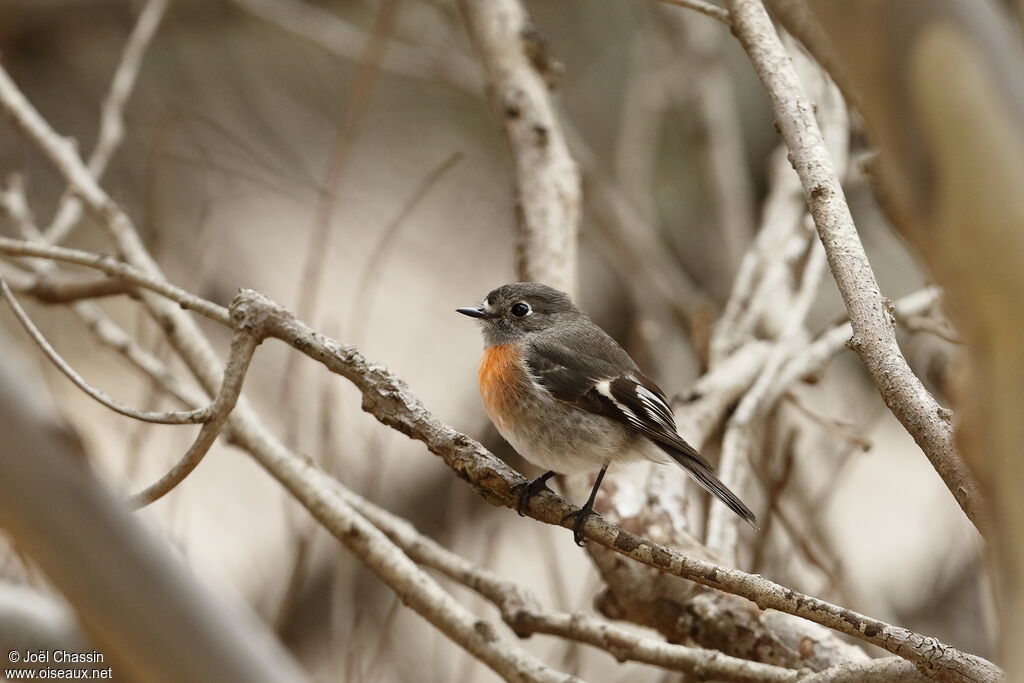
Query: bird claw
[526, 490]
[580, 520]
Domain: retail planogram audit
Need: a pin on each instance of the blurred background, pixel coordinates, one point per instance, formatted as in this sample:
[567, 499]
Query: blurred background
[243, 127]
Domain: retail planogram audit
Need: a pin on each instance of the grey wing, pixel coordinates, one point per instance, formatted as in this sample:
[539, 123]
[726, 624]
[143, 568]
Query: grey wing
[596, 383]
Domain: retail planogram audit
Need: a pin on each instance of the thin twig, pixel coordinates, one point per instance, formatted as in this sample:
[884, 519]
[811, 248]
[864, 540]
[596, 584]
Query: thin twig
[118, 269]
[50, 288]
[764, 286]
[816, 355]
[940, 328]
[345, 135]
[170, 417]
[372, 266]
[14, 202]
[112, 113]
[759, 267]
[634, 241]
[329, 31]
[706, 8]
[844, 430]
[243, 345]
[723, 529]
[112, 335]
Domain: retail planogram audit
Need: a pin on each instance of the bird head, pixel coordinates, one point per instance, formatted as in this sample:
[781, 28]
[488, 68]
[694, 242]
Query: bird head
[516, 310]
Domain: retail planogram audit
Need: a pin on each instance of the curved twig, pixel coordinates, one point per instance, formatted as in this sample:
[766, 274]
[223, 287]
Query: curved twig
[243, 345]
[170, 417]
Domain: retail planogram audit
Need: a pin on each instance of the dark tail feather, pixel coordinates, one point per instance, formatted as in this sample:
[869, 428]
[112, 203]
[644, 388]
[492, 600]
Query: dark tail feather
[706, 477]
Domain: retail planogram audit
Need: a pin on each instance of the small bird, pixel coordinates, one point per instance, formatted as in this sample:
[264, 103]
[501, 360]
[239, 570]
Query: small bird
[569, 399]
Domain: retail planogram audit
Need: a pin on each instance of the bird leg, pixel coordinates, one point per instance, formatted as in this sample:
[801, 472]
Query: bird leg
[528, 489]
[580, 516]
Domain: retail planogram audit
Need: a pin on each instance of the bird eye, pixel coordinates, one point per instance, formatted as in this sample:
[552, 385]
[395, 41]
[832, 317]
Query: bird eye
[521, 309]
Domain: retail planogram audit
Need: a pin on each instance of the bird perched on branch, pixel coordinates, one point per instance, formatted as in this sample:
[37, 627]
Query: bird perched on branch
[569, 399]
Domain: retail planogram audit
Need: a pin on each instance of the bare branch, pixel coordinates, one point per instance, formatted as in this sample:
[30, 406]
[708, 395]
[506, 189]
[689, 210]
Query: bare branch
[844, 430]
[242, 348]
[317, 249]
[874, 335]
[882, 670]
[920, 323]
[389, 400]
[318, 493]
[14, 202]
[734, 465]
[112, 113]
[765, 285]
[47, 288]
[332, 33]
[371, 268]
[118, 269]
[520, 611]
[815, 356]
[629, 235]
[132, 596]
[165, 417]
[760, 267]
[519, 73]
[706, 8]
[110, 334]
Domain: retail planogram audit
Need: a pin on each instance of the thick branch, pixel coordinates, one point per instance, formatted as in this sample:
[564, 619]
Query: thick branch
[519, 72]
[874, 333]
[389, 400]
[131, 595]
[520, 611]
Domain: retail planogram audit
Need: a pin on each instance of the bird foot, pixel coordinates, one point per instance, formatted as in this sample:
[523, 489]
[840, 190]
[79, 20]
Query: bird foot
[528, 489]
[580, 520]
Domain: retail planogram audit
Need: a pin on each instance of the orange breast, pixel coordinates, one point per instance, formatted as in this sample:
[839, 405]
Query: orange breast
[502, 380]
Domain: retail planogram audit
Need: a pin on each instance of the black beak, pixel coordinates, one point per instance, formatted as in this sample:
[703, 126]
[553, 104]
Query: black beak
[473, 312]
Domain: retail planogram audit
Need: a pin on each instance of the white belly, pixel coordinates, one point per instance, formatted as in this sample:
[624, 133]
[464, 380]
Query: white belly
[569, 441]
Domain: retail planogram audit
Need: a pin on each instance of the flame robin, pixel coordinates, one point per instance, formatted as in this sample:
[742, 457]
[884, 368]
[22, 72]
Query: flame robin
[569, 399]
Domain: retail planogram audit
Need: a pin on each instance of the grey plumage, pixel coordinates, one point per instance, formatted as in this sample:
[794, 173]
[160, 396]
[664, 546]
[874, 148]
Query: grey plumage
[581, 402]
